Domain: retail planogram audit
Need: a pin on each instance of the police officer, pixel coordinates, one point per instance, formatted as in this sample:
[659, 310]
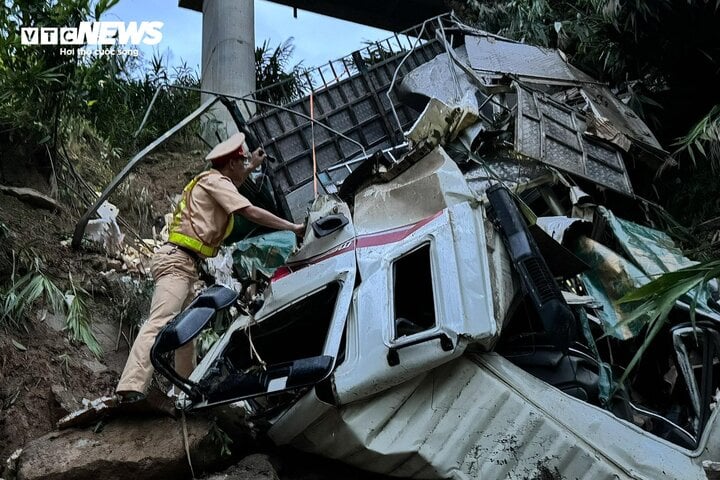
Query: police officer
[202, 220]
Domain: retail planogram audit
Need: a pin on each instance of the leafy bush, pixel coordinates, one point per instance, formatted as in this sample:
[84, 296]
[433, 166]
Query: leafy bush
[704, 139]
[23, 293]
[654, 301]
[45, 93]
[40, 85]
[275, 80]
[119, 102]
[78, 320]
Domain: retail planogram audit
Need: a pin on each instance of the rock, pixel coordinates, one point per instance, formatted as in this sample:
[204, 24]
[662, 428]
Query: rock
[57, 322]
[137, 448]
[65, 399]
[95, 367]
[252, 467]
[32, 197]
[10, 470]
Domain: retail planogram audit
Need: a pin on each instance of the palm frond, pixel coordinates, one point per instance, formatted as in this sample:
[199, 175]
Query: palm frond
[24, 292]
[657, 298]
[78, 320]
[703, 139]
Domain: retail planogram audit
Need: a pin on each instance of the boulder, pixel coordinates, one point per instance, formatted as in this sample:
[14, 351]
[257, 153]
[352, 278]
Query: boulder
[65, 399]
[252, 467]
[137, 448]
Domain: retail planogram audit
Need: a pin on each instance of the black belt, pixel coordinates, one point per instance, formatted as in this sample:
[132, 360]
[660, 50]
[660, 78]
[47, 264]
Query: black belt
[190, 252]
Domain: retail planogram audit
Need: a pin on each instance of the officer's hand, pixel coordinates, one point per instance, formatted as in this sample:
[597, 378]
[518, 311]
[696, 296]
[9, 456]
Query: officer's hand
[299, 229]
[258, 156]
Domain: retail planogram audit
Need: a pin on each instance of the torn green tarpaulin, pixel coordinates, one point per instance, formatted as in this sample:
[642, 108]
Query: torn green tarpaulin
[610, 278]
[263, 254]
[653, 251]
[643, 254]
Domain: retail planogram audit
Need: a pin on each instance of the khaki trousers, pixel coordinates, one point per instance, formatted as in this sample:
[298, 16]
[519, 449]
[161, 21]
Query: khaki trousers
[175, 273]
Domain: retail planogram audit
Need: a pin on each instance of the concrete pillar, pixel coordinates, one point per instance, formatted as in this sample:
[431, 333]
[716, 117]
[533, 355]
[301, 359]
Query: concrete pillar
[228, 59]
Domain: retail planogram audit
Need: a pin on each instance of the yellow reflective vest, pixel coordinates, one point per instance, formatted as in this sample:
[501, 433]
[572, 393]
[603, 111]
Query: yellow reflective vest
[194, 243]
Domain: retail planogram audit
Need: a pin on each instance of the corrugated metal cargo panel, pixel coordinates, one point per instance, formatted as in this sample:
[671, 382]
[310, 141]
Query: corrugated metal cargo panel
[356, 106]
[553, 134]
[468, 420]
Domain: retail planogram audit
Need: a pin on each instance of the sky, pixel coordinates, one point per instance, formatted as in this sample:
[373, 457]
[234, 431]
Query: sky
[317, 38]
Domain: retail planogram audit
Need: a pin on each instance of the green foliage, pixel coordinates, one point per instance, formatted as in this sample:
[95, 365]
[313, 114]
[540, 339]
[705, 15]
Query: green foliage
[24, 292]
[276, 80]
[221, 439]
[656, 299]
[119, 102]
[78, 320]
[41, 80]
[704, 139]
[111, 92]
[212, 334]
[206, 340]
[108, 94]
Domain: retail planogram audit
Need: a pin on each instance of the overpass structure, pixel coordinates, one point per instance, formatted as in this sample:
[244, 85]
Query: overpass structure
[228, 44]
[393, 15]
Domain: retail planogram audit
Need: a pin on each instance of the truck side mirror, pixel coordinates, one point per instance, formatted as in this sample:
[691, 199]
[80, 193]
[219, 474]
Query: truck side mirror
[184, 328]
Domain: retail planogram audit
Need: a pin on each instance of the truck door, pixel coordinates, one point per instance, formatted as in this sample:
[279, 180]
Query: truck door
[424, 297]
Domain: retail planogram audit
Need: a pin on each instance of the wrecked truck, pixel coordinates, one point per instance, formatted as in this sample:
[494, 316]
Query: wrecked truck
[423, 335]
[454, 308]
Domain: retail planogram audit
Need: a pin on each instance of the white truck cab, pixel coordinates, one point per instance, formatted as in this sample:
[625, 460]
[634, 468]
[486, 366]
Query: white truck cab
[380, 344]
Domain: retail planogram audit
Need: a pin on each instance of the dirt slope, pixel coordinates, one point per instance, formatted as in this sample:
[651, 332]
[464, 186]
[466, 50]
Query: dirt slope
[43, 373]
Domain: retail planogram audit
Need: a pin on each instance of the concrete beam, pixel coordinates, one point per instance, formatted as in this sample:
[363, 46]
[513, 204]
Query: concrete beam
[394, 15]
